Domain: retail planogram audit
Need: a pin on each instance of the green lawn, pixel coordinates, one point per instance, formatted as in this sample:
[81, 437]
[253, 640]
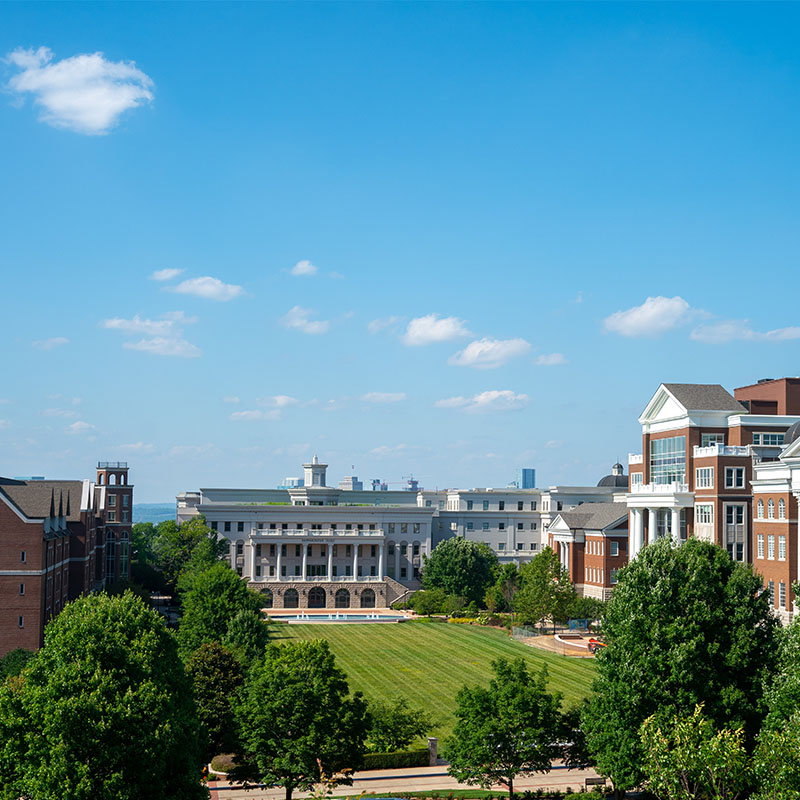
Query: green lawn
[429, 663]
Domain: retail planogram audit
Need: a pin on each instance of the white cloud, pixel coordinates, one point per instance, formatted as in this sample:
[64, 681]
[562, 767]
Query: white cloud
[59, 412]
[84, 93]
[80, 427]
[337, 276]
[492, 400]
[431, 328]
[655, 316]
[209, 288]
[164, 346]
[489, 353]
[298, 318]
[377, 325]
[50, 344]
[740, 330]
[184, 450]
[230, 399]
[277, 401]
[550, 360]
[303, 268]
[165, 274]
[553, 444]
[136, 447]
[255, 414]
[386, 450]
[384, 397]
[164, 335]
[4, 423]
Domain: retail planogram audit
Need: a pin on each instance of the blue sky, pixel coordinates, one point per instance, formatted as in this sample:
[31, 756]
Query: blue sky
[447, 239]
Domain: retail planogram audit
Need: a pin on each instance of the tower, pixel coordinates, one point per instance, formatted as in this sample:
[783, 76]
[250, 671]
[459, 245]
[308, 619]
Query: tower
[314, 473]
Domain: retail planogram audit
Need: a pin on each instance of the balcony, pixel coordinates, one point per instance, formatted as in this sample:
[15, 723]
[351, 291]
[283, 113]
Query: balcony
[327, 533]
[323, 579]
[635, 458]
[713, 450]
[660, 488]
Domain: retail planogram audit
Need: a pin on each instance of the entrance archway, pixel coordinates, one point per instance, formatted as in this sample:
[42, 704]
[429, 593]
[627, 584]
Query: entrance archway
[342, 598]
[316, 597]
[367, 599]
[291, 599]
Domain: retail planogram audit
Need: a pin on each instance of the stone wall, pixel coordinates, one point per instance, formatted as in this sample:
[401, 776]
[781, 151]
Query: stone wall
[385, 593]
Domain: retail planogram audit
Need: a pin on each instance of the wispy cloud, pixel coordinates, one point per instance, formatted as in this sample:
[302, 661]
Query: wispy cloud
[492, 400]
[230, 399]
[80, 427]
[277, 401]
[433, 328]
[85, 93]
[164, 335]
[655, 316]
[298, 318]
[384, 397]
[550, 360]
[136, 447]
[741, 331]
[209, 289]
[489, 353]
[59, 412]
[255, 414]
[4, 423]
[303, 268]
[50, 344]
[384, 323]
[388, 450]
[165, 274]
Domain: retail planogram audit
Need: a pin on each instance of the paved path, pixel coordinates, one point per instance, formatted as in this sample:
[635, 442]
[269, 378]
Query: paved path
[413, 779]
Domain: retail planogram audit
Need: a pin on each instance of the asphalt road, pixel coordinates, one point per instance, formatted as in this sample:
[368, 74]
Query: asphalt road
[419, 779]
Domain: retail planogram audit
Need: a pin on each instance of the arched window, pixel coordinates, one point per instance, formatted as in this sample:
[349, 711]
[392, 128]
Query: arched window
[268, 598]
[781, 509]
[316, 597]
[342, 598]
[761, 509]
[771, 509]
[112, 479]
[367, 599]
[290, 599]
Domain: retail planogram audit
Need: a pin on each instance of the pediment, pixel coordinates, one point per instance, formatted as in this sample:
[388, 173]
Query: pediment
[662, 406]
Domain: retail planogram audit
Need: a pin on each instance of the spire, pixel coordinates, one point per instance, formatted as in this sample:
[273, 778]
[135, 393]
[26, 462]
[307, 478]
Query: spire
[61, 504]
[315, 460]
[68, 511]
[52, 503]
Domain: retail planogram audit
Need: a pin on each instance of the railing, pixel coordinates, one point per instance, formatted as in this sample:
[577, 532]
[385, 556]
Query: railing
[635, 458]
[323, 533]
[322, 579]
[659, 488]
[112, 465]
[721, 450]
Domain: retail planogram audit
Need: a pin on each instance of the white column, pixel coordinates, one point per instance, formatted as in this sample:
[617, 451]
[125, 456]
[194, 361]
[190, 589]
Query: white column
[380, 560]
[652, 526]
[397, 561]
[305, 560]
[280, 559]
[638, 529]
[355, 561]
[330, 561]
[566, 556]
[676, 526]
[252, 559]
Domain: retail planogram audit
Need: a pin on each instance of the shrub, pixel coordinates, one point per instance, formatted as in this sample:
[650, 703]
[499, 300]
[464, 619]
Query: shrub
[396, 760]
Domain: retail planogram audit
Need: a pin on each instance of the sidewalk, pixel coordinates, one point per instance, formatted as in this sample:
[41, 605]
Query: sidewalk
[411, 779]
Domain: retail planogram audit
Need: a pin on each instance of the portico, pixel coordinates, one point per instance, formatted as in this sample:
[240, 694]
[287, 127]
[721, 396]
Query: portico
[659, 506]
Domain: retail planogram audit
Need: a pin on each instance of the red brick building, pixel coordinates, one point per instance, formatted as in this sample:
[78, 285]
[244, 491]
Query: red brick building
[59, 540]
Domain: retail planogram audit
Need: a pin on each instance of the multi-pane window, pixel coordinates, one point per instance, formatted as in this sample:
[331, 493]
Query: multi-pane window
[770, 546]
[614, 548]
[501, 506]
[533, 505]
[760, 508]
[781, 509]
[502, 526]
[614, 575]
[112, 516]
[734, 477]
[485, 505]
[636, 478]
[501, 545]
[771, 509]
[469, 505]
[704, 514]
[781, 548]
[771, 591]
[227, 527]
[768, 438]
[533, 526]
[519, 505]
[782, 594]
[520, 526]
[704, 478]
[668, 460]
[761, 545]
[126, 500]
[112, 501]
[707, 439]
[240, 527]
[486, 526]
[470, 526]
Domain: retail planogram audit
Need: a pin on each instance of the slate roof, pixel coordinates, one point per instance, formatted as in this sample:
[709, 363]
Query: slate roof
[595, 516]
[33, 497]
[705, 397]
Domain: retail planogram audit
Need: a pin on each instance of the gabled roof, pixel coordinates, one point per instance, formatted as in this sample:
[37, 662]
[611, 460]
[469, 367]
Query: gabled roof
[704, 397]
[33, 498]
[595, 516]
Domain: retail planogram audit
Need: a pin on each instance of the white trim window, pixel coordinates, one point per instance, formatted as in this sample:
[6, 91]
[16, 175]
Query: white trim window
[614, 549]
[704, 514]
[734, 477]
[781, 509]
[781, 548]
[614, 576]
[771, 547]
[760, 545]
[704, 478]
[771, 509]
[782, 594]
[760, 508]
[772, 438]
[636, 478]
[707, 439]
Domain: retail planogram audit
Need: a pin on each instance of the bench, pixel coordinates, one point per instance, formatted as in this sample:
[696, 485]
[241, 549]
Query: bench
[594, 782]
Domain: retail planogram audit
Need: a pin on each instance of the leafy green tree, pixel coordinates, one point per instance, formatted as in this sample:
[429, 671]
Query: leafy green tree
[13, 662]
[546, 590]
[216, 676]
[782, 693]
[589, 608]
[143, 536]
[104, 711]
[510, 729]
[685, 625]
[428, 602]
[297, 721]
[776, 762]
[205, 554]
[246, 636]
[174, 544]
[687, 758]
[500, 595]
[460, 567]
[394, 726]
[211, 602]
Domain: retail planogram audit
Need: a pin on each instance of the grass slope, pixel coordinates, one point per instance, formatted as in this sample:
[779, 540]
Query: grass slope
[429, 663]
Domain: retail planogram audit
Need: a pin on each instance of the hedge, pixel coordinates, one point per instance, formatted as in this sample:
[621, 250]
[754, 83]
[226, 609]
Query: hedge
[404, 758]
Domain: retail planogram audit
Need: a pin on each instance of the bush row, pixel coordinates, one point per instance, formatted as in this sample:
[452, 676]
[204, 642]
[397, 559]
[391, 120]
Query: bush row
[406, 758]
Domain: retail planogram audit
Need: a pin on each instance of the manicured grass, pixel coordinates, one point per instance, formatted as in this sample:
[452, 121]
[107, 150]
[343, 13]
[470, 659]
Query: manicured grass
[429, 663]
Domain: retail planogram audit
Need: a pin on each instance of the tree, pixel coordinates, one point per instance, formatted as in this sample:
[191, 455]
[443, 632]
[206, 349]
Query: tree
[216, 676]
[394, 726]
[688, 758]
[510, 729]
[588, 608]
[428, 602]
[460, 567]
[296, 719]
[546, 590]
[211, 602]
[14, 662]
[246, 636]
[500, 595]
[104, 711]
[174, 544]
[685, 625]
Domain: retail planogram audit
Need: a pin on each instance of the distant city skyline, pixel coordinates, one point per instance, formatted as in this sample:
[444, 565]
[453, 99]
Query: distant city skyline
[447, 240]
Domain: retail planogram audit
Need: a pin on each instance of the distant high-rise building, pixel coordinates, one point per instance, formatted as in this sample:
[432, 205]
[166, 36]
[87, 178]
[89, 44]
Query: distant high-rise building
[291, 483]
[526, 478]
[351, 484]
